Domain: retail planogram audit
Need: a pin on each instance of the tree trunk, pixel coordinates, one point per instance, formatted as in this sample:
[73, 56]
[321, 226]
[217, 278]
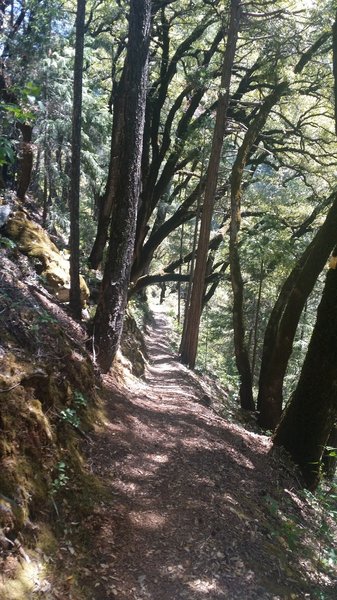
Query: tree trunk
[189, 342]
[257, 318]
[25, 154]
[106, 202]
[113, 295]
[334, 63]
[241, 351]
[311, 413]
[283, 321]
[25, 160]
[74, 199]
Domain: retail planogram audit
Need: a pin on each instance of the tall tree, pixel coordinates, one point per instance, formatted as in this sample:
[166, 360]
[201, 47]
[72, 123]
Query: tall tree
[283, 321]
[74, 197]
[310, 416]
[189, 344]
[113, 295]
[241, 352]
[167, 122]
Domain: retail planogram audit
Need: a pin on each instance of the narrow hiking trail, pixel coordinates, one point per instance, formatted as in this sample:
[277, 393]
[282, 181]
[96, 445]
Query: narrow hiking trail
[186, 495]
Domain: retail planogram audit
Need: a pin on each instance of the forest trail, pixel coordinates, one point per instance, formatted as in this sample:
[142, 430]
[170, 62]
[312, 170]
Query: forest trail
[187, 494]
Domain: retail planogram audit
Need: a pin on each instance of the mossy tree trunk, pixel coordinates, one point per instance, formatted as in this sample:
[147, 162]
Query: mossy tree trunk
[113, 295]
[308, 419]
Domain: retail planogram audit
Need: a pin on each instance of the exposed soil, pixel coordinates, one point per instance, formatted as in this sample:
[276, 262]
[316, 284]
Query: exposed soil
[195, 507]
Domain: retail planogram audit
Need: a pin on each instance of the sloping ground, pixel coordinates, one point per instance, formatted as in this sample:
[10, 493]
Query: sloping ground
[194, 507]
[47, 400]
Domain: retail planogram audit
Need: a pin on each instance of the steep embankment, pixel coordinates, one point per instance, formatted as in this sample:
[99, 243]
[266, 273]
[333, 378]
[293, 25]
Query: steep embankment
[47, 400]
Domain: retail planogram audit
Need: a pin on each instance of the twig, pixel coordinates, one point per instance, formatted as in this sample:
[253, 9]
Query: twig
[11, 388]
[55, 507]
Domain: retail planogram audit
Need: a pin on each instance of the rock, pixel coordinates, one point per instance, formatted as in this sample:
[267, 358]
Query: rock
[5, 211]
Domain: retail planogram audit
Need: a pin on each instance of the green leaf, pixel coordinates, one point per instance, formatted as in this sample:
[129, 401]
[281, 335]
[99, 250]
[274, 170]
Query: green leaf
[31, 89]
[7, 243]
[6, 152]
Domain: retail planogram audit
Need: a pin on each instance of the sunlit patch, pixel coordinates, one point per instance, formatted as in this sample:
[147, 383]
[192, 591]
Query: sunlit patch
[126, 487]
[147, 519]
[203, 585]
[29, 578]
[158, 458]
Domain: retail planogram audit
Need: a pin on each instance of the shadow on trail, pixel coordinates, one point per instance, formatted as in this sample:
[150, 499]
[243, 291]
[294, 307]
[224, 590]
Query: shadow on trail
[189, 494]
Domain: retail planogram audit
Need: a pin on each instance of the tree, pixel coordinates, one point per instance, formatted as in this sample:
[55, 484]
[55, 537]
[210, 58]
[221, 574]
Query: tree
[168, 124]
[312, 410]
[240, 348]
[310, 416]
[189, 344]
[24, 27]
[284, 318]
[74, 197]
[113, 294]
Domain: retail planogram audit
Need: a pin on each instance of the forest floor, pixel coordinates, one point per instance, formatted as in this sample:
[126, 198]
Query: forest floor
[195, 507]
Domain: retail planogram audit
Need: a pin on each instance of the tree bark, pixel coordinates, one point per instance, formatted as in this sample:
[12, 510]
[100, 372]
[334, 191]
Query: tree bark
[311, 413]
[283, 321]
[155, 177]
[190, 340]
[75, 177]
[241, 351]
[334, 63]
[25, 159]
[113, 295]
[107, 201]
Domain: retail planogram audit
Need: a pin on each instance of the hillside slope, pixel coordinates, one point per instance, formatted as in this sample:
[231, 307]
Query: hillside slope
[48, 399]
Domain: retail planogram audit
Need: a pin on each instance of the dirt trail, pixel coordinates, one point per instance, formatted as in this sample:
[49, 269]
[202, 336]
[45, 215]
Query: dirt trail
[187, 495]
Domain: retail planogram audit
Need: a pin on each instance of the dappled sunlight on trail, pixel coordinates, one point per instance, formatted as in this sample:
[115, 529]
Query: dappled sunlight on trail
[185, 505]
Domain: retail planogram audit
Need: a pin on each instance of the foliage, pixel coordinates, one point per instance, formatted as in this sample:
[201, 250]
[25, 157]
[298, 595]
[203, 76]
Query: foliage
[72, 415]
[7, 243]
[6, 152]
[61, 479]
